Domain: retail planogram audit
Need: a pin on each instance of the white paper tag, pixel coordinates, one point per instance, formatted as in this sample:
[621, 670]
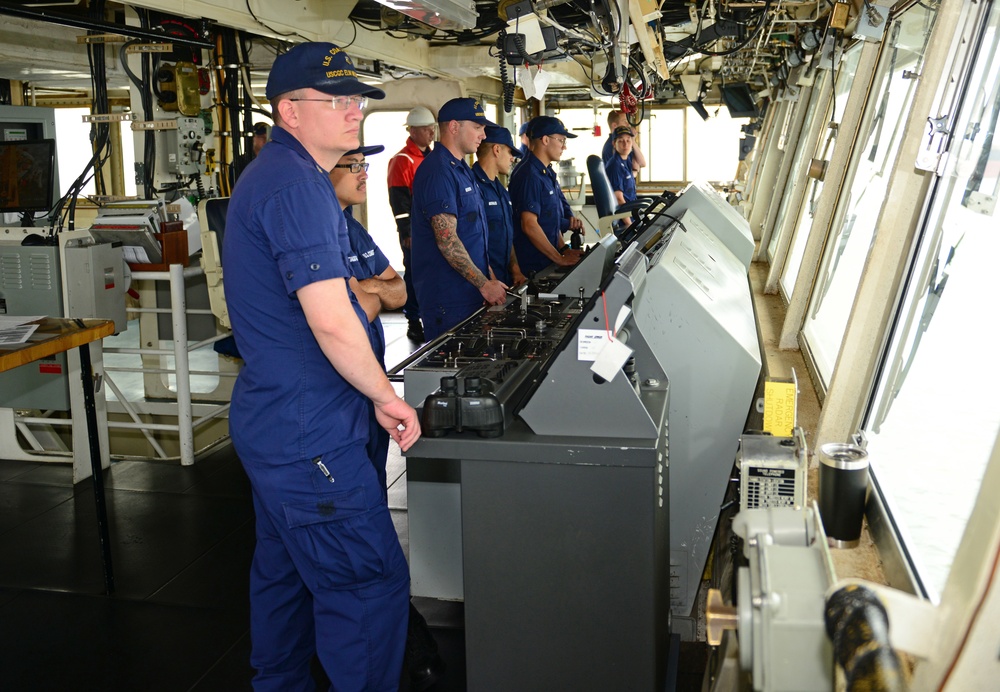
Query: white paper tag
[611, 359]
[526, 81]
[590, 342]
[542, 80]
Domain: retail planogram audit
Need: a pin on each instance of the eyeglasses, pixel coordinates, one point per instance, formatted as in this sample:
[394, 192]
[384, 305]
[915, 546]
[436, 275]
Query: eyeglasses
[561, 141]
[355, 168]
[342, 103]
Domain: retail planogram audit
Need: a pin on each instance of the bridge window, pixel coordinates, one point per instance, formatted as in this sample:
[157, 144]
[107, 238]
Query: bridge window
[679, 146]
[824, 150]
[933, 420]
[867, 180]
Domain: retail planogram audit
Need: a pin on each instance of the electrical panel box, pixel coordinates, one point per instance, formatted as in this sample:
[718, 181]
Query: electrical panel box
[183, 147]
[96, 283]
[772, 471]
[30, 285]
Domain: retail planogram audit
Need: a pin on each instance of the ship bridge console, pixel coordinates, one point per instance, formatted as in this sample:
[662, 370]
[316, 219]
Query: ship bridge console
[578, 443]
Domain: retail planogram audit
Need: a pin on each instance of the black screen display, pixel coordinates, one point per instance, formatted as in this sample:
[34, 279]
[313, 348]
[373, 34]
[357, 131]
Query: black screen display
[26, 175]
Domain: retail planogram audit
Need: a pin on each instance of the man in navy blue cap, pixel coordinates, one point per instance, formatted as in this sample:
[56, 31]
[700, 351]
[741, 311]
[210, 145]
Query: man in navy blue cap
[328, 576]
[378, 287]
[375, 283]
[541, 212]
[448, 229]
[495, 157]
[525, 140]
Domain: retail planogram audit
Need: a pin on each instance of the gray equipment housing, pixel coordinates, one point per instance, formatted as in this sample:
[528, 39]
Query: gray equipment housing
[781, 599]
[31, 284]
[726, 223]
[696, 312]
[555, 534]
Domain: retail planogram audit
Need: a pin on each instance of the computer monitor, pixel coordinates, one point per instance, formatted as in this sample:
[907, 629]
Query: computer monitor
[739, 100]
[27, 175]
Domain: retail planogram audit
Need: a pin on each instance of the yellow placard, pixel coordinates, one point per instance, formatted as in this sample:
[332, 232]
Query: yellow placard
[779, 407]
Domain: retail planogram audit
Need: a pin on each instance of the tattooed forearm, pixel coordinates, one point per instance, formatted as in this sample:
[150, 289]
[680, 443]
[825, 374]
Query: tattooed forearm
[445, 228]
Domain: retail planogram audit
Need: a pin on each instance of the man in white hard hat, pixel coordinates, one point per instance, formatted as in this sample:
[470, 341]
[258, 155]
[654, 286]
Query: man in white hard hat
[420, 124]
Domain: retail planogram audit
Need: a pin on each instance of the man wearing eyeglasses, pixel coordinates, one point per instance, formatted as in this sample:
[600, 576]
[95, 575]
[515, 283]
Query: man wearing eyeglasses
[541, 212]
[374, 282]
[328, 576]
[452, 274]
[378, 287]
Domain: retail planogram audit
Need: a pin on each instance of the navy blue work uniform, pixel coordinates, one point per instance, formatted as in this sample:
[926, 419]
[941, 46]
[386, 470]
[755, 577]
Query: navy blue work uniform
[500, 219]
[328, 576]
[534, 188]
[445, 185]
[367, 261]
[608, 151]
[620, 176]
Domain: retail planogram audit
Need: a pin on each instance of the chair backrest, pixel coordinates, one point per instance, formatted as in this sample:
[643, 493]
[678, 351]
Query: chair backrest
[212, 218]
[215, 217]
[604, 196]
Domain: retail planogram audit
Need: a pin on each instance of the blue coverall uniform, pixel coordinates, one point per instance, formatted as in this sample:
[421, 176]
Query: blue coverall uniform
[620, 176]
[328, 575]
[445, 185]
[500, 219]
[367, 261]
[608, 152]
[535, 188]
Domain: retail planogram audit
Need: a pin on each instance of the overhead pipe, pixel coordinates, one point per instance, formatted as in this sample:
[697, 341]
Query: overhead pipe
[100, 26]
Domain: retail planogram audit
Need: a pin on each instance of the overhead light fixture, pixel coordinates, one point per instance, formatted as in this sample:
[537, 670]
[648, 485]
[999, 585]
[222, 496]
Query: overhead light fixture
[454, 15]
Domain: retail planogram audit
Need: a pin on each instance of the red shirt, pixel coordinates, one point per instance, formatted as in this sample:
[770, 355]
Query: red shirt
[404, 164]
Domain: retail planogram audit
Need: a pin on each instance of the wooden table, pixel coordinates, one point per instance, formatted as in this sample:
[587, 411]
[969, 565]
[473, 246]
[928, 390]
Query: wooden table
[56, 336]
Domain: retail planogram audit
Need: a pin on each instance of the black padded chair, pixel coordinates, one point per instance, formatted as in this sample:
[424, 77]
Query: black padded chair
[608, 209]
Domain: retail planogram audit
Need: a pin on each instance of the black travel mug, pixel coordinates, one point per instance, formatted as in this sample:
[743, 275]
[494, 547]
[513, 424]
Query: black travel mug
[843, 486]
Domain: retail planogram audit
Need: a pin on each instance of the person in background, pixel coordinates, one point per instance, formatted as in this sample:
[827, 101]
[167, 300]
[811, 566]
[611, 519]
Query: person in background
[402, 167]
[375, 283]
[453, 276]
[525, 140]
[541, 212]
[301, 406]
[261, 136]
[378, 287]
[618, 168]
[637, 160]
[494, 157]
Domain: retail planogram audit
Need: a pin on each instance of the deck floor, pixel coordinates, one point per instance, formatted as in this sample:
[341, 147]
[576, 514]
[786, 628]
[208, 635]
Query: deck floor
[182, 541]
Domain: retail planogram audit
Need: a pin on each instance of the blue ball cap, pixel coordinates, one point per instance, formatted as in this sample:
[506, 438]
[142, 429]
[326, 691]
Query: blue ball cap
[464, 109]
[367, 151]
[547, 125]
[501, 135]
[524, 128]
[622, 131]
[321, 66]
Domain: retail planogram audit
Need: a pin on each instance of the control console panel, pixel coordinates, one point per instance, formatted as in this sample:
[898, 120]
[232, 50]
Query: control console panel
[504, 349]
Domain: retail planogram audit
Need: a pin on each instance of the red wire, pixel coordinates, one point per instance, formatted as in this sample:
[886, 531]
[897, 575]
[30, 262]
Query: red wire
[607, 324]
[972, 623]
